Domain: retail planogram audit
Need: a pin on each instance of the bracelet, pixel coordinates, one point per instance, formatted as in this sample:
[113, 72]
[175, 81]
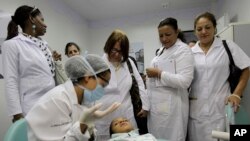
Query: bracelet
[235, 95]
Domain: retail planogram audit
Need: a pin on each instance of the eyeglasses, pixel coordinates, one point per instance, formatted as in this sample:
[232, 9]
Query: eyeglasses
[105, 80]
[114, 50]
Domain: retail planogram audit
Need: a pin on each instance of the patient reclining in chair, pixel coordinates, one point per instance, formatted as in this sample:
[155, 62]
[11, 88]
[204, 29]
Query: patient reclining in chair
[122, 130]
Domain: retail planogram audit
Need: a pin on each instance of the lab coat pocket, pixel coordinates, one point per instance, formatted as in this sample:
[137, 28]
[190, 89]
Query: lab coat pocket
[198, 108]
[163, 108]
[193, 112]
[28, 102]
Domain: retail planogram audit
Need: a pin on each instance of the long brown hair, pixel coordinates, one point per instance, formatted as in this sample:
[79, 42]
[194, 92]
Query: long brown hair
[118, 35]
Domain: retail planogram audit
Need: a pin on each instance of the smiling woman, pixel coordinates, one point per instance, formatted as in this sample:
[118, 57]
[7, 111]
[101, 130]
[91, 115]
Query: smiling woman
[167, 86]
[212, 70]
[116, 53]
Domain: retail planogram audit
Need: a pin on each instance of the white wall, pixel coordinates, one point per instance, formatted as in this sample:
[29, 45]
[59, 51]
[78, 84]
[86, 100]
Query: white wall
[5, 121]
[238, 10]
[64, 25]
[141, 28]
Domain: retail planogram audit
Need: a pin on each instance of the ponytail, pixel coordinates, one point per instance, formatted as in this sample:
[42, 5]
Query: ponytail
[12, 30]
[20, 17]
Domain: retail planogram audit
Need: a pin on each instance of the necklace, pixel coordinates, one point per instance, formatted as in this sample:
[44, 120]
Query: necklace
[205, 47]
[26, 35]
[117, 67]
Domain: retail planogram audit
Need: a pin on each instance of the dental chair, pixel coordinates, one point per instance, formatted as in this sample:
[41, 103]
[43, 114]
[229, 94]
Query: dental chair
[17, 131]
[239, 118]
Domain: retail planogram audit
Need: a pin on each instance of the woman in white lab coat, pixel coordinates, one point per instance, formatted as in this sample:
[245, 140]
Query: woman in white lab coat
[27, 60]
[170, 75]
[210, 88]
[116, 55]
[61, 114]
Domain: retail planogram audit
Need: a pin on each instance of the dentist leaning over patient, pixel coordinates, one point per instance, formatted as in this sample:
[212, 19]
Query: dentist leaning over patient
[62, 114]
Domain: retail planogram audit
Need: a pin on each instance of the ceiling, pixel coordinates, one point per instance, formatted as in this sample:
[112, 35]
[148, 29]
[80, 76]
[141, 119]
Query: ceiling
[95, 10]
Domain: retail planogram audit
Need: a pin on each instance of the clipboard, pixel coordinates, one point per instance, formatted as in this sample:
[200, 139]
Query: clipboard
[167, 65]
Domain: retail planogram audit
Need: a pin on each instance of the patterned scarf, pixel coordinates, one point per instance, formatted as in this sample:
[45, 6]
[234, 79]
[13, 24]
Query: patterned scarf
[45, 49]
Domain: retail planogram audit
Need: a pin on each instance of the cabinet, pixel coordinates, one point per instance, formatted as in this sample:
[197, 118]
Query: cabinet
[240, 34]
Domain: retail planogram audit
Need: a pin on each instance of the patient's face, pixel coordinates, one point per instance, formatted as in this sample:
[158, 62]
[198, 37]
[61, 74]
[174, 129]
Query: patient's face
[121, 125]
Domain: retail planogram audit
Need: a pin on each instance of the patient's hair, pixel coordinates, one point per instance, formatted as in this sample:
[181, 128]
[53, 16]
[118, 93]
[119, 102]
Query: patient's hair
[110, 129]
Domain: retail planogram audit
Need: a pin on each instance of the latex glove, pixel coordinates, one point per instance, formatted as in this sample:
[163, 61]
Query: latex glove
[92, 114]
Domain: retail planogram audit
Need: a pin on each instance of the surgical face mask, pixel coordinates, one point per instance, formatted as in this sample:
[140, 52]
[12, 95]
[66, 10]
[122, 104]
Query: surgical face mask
[91, 96]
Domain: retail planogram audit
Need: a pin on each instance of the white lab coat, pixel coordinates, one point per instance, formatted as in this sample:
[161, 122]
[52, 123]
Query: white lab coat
[118, 91]
[27, 74]
[55, 117]
[210, 87]
[168, 116]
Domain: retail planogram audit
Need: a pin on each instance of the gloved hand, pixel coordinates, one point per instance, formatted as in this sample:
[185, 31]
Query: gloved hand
[89, 116]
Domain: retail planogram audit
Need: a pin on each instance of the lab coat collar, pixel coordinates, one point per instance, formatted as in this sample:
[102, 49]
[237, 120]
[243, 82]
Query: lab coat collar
[176, 44]
[170, 50]
[196, 48]
[216, 43]
[24, 38]
[71, 91]
[105, 56]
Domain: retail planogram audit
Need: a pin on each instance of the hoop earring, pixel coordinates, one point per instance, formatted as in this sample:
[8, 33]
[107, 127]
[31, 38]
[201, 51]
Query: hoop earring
[34, 29]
